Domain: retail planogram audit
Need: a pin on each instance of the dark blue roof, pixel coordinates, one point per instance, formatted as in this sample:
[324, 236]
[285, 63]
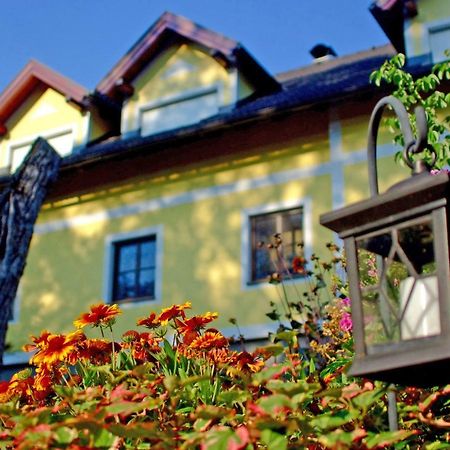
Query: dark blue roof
[316, 84]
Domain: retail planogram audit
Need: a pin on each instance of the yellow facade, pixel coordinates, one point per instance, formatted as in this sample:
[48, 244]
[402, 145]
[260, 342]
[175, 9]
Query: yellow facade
[433, 17]
[199, 210]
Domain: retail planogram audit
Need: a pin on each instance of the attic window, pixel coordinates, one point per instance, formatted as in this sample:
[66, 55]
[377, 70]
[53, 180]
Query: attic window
[62, 142]
[179, 112]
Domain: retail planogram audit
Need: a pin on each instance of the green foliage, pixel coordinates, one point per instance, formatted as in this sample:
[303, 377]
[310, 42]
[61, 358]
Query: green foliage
[424, 91]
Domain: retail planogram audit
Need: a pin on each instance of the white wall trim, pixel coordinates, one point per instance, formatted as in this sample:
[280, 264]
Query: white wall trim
[433, 27]
[11, 358]
[338, 158]
[246, 214]
[197, 195]
[108, 266]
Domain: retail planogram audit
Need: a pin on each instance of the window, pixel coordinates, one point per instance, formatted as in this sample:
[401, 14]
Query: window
[276, 239]
[133, 266]
[134, 269]
[439, 42]
[179, 112]
[61, 142]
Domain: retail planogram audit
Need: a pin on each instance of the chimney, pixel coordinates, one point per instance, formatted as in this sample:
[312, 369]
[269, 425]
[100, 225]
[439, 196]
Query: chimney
[322, 52]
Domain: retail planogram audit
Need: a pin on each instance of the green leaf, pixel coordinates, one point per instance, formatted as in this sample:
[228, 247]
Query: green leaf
[274, 441]
[382, 440]
[104, 438]
[437, 446]
[126, 407]
[291, 388]
[333, 420]
[65, 435]
[233, 396]
[273, 404]
[267, 374]
[341, 439]
[134, 430]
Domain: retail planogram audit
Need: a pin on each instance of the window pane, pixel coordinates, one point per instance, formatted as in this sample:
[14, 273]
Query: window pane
[178, 114]
[274, 242]
[127, 257]
[126, 286]
[146, 286]
[147, 257]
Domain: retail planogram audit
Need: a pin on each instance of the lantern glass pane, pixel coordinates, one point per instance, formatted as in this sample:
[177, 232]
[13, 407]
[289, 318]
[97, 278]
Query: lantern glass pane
[398, 285]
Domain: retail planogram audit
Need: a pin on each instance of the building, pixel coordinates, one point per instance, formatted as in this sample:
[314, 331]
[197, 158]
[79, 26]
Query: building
[186, 155]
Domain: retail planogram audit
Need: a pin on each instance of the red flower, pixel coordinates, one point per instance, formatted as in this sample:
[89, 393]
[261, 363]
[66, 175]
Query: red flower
[97, 351]
[100, 316]
[142, 345]
[172, 312]
[150, 322]
[190, 328]
[298, 265]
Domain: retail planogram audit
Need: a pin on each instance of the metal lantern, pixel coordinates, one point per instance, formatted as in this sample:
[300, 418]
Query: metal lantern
[396, 245]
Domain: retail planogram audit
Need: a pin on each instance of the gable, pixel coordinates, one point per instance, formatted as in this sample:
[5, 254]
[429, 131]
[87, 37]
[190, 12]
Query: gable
[182, 86]
[45, 113]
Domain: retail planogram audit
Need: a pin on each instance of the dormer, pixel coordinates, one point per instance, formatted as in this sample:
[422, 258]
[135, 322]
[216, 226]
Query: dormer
[418, 28]
[40, 102]
[179, 74]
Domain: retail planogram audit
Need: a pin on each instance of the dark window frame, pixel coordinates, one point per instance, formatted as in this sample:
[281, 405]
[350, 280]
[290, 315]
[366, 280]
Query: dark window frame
[254, 243]
[118, 245]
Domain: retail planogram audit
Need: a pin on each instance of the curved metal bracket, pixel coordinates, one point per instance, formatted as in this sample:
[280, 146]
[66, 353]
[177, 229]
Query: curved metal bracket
[411, 146]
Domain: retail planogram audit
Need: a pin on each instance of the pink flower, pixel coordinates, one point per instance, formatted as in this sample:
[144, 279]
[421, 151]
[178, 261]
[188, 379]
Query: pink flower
[346, 323]
[437, 171]
[345, 302]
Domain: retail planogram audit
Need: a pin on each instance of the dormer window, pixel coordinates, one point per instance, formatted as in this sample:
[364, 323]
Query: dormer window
[61, 141]
[186, 109]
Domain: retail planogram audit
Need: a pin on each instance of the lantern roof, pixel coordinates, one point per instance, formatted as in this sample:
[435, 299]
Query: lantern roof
[414, 196]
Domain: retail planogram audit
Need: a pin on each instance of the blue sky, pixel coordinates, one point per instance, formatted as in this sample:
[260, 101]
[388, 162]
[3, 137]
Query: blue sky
[83, 39]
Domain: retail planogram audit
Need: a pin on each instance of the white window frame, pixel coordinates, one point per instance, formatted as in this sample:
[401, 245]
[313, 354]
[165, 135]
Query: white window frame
[436, 27]
[246, 250]
[180, 98]
[28, 140]
[108, 277]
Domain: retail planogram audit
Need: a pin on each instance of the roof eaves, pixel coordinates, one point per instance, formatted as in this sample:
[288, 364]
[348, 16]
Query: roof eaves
[150, 44]
[391, 17]
[28, 78]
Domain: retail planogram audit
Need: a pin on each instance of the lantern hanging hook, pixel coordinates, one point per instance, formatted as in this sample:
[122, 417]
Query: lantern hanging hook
[412, 145]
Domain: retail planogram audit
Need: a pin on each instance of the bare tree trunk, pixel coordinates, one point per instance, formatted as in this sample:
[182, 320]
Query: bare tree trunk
[20, 203]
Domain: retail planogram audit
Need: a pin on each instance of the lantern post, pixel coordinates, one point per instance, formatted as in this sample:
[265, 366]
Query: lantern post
[396, 246]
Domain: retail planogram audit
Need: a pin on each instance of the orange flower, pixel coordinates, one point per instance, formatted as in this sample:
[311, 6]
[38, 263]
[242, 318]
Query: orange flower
[172, 312]
[4, 391]
[100, 316]
[97, 351]
[195, 323]
[150, 322]
[298, 265]
[142, 345]
[248, 362]
[190, 328]
[211, 339]
[21, 383]
[38, 342]
[56, 348]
